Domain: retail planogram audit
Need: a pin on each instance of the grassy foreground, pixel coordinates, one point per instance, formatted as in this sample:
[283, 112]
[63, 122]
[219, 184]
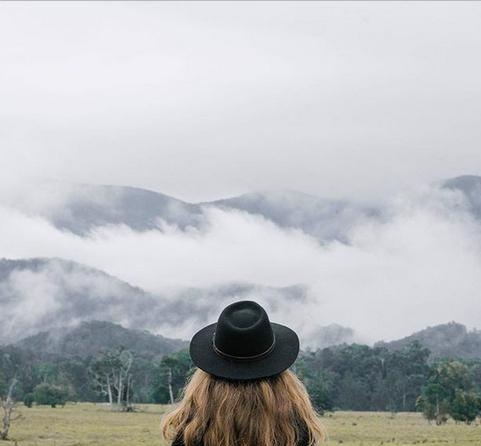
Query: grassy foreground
[90, 424]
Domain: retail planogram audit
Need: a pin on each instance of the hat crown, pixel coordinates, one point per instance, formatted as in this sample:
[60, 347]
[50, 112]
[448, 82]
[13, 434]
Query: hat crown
[243, 331]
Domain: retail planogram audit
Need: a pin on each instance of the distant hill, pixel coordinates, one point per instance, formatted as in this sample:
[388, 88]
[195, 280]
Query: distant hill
[451, 340]
[89, 338]
[324, 219]
[84, 207]
[53, 296]
[470, 187]
[43, 294]
[331, 335]
[81, 208]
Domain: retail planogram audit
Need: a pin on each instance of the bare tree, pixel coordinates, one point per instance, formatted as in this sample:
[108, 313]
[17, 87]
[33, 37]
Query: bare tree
[8, 405]
[111, 374]
[169, 383]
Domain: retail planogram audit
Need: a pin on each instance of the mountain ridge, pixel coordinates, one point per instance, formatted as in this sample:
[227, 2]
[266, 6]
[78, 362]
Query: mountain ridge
[62, 293]
[449, 340]
[91, 337]
[82, 208]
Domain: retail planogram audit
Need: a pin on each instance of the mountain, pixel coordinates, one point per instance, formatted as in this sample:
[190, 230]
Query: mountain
[470, 187]
[89, 338]
[81, 208]
[324, 219]
[52, 304]
[331, 335]
[40, 294]
[451, 340]
[43, 294]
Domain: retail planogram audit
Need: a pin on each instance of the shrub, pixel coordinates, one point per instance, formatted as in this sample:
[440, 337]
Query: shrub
[28, 399]
[49, 394]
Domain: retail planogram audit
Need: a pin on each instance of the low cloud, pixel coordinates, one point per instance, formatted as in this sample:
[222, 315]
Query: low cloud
[420, 265]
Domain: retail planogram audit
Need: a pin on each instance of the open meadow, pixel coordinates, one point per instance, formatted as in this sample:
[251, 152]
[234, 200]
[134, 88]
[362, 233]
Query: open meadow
[90, 424]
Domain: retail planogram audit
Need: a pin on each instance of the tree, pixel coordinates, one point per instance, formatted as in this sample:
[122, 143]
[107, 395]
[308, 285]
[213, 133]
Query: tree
[434, 403]
[465, 406]
[74, 373]
[3, 384]
[50, 394]
[28, 399]
[111, 375]
[318, 384]
[18, 364]
[406, 371]
[170, 377]
[449, 391]
[8, 405]
[46, 372]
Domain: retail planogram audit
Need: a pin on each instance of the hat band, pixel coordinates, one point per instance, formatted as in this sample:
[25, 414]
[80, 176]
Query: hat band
[243, 358]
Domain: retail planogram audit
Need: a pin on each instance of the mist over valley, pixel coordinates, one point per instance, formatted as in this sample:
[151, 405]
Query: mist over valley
[336, 271]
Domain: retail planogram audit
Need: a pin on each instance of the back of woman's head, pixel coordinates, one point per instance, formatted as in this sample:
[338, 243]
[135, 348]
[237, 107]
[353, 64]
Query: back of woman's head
[273, 411]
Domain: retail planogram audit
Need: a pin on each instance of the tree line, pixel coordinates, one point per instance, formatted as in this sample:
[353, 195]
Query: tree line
[345, 377]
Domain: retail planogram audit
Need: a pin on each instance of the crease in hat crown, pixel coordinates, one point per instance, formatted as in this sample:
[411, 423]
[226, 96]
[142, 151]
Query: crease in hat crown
[240, 327]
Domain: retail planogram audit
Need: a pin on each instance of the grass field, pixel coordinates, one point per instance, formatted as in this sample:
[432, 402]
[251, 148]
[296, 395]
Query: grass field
[90, 424]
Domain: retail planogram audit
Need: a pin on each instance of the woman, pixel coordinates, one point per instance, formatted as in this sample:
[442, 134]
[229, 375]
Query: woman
[242, 393]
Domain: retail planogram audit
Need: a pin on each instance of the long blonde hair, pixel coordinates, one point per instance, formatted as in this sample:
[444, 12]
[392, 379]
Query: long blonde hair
[263, 412]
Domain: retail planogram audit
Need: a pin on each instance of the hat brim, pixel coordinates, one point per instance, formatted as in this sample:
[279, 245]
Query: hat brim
[281, 357]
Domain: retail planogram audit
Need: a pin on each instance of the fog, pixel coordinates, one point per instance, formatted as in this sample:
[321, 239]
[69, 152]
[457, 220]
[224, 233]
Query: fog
[420, 265]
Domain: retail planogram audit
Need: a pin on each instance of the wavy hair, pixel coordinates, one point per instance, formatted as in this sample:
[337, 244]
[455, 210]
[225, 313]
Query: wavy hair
[273, 411]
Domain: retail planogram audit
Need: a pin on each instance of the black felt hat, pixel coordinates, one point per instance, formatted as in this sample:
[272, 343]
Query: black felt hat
[244, 344]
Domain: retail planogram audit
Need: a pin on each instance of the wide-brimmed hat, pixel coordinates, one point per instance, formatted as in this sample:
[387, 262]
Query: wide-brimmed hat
[243, 344]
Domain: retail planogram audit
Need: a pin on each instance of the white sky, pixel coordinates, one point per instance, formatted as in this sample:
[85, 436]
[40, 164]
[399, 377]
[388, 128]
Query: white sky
[203, 100]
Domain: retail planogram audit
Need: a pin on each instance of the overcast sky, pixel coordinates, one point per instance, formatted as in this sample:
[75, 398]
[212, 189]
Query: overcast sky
[201, 100]
[369, 101]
